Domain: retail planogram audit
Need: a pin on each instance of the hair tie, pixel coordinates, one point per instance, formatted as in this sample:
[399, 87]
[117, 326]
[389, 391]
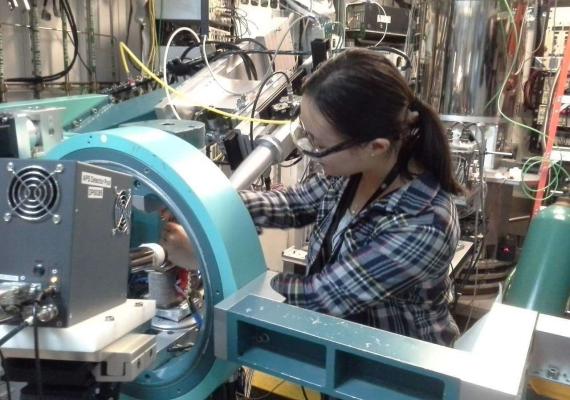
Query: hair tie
[415, 104]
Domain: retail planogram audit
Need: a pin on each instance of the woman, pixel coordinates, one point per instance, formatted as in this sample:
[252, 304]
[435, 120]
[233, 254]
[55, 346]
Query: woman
[385, 227]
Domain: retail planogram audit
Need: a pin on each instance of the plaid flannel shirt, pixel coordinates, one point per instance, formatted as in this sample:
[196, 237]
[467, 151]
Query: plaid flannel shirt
[392, 272]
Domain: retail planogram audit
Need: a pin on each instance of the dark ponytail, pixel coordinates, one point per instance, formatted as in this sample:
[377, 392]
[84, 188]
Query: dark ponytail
[365, 97]
[427, 144]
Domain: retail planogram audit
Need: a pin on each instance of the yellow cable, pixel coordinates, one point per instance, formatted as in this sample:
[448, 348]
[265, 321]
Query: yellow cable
[124, 61]
[124, 49]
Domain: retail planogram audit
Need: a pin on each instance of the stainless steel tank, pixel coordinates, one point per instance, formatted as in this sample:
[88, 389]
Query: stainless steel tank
[461, 55]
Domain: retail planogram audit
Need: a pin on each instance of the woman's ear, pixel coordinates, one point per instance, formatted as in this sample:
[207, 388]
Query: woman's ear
[378, 147]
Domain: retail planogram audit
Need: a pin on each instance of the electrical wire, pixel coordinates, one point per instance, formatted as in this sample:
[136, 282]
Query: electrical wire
[15, 331]
[39, 383]
[554, 168]
[165, 60]
[508, 74]
[268, 71]
[342, 34]
[258, 95]
[260, 45]
[537, 48]
[304, 393]
[126, 51]
[480, 215]
[66, 9]
[385, 24]
[153, 55]
[5, 377]
[292, 163]
[129, 21]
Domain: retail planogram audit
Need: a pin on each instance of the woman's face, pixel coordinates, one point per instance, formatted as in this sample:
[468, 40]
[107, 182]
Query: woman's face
[323, 135]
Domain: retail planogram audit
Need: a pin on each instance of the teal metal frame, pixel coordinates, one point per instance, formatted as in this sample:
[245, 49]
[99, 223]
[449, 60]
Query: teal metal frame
[94, 112]
[213, 215]
[347, 360]
[76, 107]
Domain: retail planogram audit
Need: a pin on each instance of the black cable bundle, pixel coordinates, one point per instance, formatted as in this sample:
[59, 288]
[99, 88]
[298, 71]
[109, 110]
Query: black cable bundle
[66, 9]
[259, 95]
[181, 68]
[39, 383]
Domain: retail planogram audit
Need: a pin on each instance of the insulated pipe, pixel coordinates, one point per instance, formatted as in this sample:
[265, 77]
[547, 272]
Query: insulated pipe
[91, 46]
[112, 44]
[2, 89]
[65, 53]
[35, 47]
[270, 150]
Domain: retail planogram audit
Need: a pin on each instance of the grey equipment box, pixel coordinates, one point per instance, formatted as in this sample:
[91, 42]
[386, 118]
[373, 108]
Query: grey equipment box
[66, 224]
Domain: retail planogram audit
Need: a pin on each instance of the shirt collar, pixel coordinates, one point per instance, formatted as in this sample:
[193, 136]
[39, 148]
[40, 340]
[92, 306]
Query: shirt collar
[412, 198]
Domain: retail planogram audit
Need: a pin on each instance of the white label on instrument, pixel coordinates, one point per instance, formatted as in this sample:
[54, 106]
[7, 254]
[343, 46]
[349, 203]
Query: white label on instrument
[13, 278]
[385, 19]
[94, 192]
[90, 179]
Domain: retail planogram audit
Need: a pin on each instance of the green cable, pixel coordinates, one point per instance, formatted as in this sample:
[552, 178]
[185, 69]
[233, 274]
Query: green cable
[556, 168]
[508, 74]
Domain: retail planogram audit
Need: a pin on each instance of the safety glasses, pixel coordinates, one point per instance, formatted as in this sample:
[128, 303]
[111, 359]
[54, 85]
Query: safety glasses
[306, 144]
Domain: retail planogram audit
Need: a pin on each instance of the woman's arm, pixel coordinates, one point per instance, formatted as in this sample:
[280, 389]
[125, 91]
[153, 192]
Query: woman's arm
[391, 264]
[294, 207]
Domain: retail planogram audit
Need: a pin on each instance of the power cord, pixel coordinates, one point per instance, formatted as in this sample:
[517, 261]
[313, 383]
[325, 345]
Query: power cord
[5, 377]
[66, 9]
[25, 323]
[258, 95]
[39, 383]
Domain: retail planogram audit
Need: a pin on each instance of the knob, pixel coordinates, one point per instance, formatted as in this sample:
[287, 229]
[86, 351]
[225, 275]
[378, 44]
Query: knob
[47, 313]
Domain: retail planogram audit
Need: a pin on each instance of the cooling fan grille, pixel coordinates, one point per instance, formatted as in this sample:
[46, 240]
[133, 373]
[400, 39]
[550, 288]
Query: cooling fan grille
[122, 211]
[33, 193]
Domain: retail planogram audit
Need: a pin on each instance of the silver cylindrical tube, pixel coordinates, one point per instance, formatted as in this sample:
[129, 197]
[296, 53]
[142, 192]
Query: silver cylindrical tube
[270, 150]
[462, 55]
[162, 288]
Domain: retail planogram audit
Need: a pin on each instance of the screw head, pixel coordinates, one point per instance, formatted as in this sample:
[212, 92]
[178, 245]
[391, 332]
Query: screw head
[56, 219]
[553, 373]
[59, 168]
[10, 166]
[7, 217]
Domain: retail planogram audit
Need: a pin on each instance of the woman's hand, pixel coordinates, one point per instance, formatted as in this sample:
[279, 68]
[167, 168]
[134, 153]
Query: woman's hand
[176, 243]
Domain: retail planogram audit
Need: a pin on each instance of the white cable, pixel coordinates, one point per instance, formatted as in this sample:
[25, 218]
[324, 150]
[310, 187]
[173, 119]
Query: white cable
[385, 23]
[269, 71]
[164, 61]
